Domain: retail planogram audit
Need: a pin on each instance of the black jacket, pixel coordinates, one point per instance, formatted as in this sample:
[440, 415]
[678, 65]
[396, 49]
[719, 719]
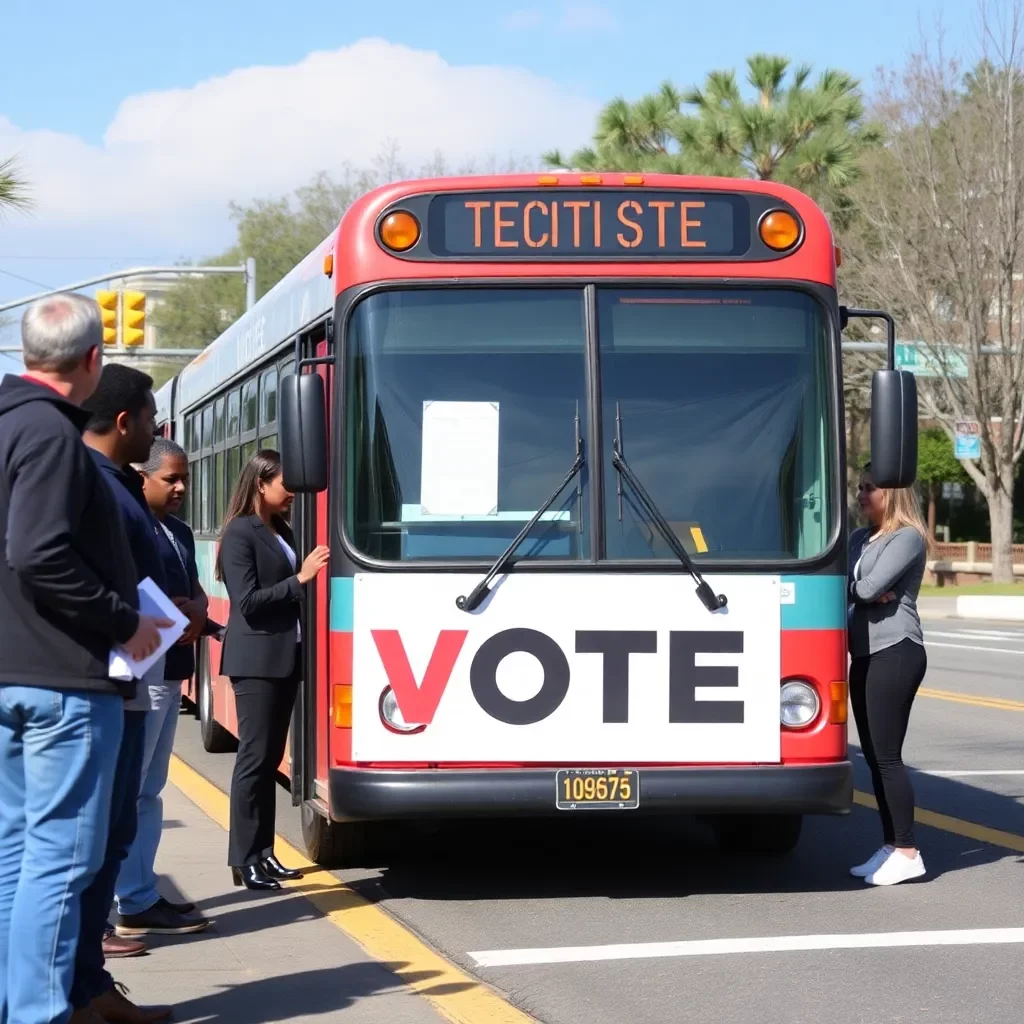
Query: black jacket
[182, 577]
[266, 599]
[67, 582]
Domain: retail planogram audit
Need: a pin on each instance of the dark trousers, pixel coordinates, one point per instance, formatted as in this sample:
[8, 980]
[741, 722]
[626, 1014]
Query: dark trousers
[882, 690]
[264, 708]
[91, 979]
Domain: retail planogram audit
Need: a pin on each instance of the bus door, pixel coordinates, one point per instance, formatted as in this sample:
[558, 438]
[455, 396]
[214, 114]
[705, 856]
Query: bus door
[309, 732]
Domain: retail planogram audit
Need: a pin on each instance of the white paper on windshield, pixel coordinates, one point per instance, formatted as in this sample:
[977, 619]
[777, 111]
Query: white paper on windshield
[155, 603]
[459, 469]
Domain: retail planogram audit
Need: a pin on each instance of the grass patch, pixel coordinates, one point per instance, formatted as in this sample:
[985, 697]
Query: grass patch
[990, 589]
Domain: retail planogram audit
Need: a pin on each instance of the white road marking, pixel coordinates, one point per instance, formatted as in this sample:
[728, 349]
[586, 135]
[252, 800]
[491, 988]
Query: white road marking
[959, 774]
[770, 944]
[986, 634]
[974, 647]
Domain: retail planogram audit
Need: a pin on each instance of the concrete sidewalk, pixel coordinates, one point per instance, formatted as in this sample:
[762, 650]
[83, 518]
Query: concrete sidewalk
[937, 607]
[263, 959]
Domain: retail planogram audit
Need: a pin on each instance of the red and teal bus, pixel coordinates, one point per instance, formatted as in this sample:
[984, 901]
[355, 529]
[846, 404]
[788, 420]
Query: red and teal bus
[576, 443]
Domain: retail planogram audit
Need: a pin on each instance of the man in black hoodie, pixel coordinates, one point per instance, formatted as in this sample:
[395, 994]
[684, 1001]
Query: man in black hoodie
[67, 597]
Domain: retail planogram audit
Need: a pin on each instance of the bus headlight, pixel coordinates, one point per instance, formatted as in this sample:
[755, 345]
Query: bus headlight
[391, 716]
[798, 704]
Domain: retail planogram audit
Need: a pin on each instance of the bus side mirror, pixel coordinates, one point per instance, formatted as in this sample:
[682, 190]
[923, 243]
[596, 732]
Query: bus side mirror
[893, 428]
[303, 433]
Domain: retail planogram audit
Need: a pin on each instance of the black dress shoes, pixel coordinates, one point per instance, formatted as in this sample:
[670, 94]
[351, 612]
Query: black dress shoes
[275, 869]
[252, 876]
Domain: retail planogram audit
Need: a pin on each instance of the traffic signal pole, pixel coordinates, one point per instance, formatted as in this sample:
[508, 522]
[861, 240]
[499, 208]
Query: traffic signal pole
[247, 270]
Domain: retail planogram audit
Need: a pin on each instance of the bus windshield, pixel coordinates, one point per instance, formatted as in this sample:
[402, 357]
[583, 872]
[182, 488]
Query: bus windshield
[719, 399]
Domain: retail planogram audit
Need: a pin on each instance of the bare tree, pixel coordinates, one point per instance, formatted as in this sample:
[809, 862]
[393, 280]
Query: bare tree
[940, 242]
[857, 372]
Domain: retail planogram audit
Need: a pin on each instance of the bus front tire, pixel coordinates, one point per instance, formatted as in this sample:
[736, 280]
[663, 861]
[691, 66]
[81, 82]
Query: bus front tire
[216, 739]
[333, 843]
[773, 834]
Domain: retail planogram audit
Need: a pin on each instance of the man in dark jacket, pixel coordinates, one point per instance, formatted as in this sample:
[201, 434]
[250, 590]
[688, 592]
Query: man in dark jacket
[119, 433]
[141, 908]
[67, 597]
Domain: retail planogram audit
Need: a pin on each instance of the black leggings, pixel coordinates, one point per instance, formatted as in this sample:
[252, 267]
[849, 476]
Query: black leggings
[882, 690]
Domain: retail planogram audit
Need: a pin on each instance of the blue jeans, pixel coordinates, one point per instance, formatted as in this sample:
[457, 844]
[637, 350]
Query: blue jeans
[136, 884]
[58, 750]
[91, 980]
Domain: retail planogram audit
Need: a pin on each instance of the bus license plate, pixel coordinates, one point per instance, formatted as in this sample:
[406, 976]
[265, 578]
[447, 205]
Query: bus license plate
[616, 789]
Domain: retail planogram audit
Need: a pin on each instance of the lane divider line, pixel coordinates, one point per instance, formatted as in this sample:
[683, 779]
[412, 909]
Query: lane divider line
[966, 698]
[770, 944]
[957, 826]
[974, 647]
[454, 995]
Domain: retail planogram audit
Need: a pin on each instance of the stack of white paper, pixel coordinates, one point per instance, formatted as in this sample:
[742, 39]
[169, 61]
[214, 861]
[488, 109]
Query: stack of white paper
[156, 604]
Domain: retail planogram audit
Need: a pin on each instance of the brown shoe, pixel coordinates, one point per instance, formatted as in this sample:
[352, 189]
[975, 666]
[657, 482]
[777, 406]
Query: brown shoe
[116, 1008]
[116, 948]
[87, 1015]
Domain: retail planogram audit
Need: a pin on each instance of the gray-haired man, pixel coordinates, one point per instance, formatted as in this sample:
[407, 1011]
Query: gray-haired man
[67, 596]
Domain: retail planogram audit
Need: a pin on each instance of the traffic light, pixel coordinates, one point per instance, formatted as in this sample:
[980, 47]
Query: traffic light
[133, 318]
[107, 301]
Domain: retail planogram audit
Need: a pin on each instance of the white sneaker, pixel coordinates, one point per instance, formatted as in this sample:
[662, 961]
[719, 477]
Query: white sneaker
[873, 863]
[897, 868]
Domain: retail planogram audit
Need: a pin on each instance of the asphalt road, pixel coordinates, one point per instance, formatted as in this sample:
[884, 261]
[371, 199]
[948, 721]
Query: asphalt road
[559, 916]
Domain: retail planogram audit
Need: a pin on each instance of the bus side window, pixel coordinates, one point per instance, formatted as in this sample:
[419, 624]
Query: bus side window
[218, 421]
[268, 408]
[248, 407]
[234, 469]
[219, 494]
[207, 495]
[234, 410]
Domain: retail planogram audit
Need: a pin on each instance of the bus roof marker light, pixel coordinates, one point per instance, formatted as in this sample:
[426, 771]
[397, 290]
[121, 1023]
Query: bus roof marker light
[779, 230]
[329, 264]
[547, 179]
[400, 231]
[590, 179]
[633, 179]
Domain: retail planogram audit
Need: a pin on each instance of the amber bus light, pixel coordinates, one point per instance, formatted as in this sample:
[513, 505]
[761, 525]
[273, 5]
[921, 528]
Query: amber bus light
[400, 231]
[779, 230]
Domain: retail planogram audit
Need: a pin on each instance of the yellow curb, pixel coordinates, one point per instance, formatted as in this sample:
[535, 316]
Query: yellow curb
[456, 996]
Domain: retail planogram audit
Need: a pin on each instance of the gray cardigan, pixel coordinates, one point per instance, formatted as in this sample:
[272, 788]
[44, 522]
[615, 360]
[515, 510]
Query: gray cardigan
[896, 563]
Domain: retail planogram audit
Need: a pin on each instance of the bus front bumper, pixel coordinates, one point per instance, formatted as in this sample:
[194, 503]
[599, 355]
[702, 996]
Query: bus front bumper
[364, 794]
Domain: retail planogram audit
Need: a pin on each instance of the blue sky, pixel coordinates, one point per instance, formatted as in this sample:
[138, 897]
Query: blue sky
[139, 122]
[99, 53]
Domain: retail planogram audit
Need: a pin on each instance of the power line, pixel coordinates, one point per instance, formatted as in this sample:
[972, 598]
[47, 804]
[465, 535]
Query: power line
[27, 280]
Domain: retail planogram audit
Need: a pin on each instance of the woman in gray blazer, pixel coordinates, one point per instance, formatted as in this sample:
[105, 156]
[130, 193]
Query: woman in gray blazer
[888, 663]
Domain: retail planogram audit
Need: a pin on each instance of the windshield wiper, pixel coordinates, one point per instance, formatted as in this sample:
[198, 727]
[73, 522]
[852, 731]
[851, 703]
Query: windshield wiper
[708, 597]
[482, 589]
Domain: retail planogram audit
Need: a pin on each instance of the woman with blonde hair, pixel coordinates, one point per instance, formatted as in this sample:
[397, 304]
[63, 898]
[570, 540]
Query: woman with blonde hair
[888, 663]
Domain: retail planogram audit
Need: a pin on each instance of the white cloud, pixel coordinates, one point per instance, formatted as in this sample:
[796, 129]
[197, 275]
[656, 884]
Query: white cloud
[523, 20]
[585, 17]
[171, 161]
[570, 17]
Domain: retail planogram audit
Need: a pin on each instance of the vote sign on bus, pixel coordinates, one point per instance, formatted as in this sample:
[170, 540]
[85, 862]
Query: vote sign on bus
[567, 669]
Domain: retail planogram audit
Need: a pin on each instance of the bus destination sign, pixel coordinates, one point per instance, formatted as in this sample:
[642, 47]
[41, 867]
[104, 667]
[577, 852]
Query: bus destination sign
[588, 224]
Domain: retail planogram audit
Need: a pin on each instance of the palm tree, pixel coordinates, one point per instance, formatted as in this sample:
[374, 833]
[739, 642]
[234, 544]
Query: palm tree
[640, 136]
[807, 135]
[14, 191]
